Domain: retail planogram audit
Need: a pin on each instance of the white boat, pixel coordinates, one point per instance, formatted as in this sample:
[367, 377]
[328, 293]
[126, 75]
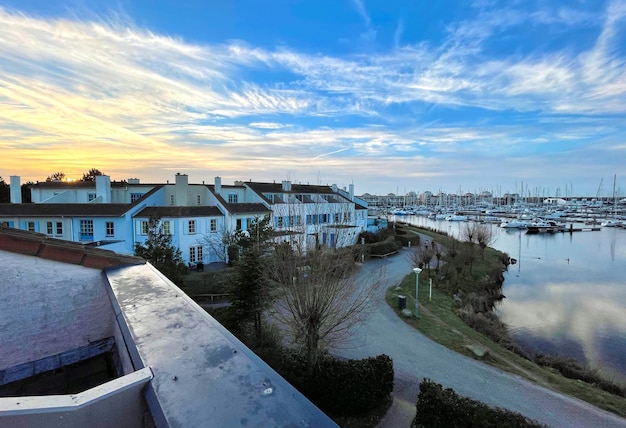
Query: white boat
[492, 219]
[514, 224]
[611, 223]
[456, 217]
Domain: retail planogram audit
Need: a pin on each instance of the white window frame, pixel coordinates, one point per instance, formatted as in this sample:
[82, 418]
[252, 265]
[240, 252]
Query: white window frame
[144, 226]
[109, 228]
[191, 227]
[167, 227]
[49, 228]
[213, 225]
[233, 198]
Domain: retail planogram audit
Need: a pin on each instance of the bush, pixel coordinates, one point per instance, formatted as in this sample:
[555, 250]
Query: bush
[342, 387]
[437, 407]
[389, 245]
[571, 369]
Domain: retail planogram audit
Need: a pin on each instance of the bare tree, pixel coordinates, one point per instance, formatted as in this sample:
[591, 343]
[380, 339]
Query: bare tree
[57, 176]
[91, 174]
[319, 297]
[314, 270]
[219, 241]
[421, 256]
[484, 237]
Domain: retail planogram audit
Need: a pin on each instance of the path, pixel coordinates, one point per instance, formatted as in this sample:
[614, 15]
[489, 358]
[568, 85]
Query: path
[416, 357]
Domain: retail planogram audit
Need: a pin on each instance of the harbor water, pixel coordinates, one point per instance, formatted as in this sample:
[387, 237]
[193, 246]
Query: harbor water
[566, 294]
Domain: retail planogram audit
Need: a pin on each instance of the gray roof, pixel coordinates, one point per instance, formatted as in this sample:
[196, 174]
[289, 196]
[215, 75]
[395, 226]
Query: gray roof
[71, 210]
[203, 375]
[190, 211]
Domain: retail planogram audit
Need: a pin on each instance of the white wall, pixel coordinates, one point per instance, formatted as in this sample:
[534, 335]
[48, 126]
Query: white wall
[49, 307]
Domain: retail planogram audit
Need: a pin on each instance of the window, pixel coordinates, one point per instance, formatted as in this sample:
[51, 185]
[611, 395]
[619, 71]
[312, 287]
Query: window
[238, 224]
[279, 222]
[49, 228]
[347, 217]
[309, 219]
[232, 198]
[171, 199]
[195, 254]
[213, 225]
[144, 227]
[59, 228]
[110, 228]
[198, 200]
[191, 227]
[86, 229]
[135, 196]
[167, 228]
[337, 217]
[30, 226]
[91, 196]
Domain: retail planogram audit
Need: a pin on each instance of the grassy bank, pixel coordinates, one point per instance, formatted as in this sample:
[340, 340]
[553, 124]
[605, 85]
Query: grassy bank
[439, 320]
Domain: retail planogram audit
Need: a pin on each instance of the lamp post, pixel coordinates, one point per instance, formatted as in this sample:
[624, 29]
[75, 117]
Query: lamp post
[417, 283]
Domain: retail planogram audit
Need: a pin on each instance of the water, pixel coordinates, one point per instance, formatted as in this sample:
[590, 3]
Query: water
[566, 295]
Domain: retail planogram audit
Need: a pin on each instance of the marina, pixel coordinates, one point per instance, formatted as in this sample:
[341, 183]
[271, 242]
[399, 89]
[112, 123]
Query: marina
[565, 295]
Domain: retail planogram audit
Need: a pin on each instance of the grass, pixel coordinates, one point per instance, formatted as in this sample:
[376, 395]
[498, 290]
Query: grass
[438, 320]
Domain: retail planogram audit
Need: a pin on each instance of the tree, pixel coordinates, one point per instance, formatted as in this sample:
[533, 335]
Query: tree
[319, 297]
[421, 256]
[484, 236]
[91, 175]
[57, 176]
[250, 294]
[158, 250]
[5, 191]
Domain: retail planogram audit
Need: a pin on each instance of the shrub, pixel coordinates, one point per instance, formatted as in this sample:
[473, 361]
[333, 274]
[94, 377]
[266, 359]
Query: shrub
[389, 245]
[352, 387]
[571, 369]
[438, 407]
[342, 387]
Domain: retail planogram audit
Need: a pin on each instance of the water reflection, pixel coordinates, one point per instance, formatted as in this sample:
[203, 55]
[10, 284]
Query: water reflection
[566, 294]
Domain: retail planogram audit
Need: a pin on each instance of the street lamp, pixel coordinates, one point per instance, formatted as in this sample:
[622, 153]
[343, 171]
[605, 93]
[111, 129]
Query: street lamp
[417, 282]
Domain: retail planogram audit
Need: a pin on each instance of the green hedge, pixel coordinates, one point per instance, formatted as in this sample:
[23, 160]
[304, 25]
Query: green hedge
[387, 246]
[343, 387]
[438, 407]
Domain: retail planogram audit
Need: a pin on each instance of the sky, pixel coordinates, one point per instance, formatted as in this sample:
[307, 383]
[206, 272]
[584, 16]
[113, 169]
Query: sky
[394, 96]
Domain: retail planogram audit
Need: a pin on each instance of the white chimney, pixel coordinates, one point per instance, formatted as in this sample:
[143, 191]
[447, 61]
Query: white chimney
[286, 186]
[218, 185]
[103, 188]
[351, 192]
[15, 189]
[181, 189]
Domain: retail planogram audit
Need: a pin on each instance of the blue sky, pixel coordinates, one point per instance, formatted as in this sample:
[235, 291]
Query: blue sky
[393, 96]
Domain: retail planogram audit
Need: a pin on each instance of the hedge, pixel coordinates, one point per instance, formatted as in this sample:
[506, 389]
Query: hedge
[343, 387]
[438, 407]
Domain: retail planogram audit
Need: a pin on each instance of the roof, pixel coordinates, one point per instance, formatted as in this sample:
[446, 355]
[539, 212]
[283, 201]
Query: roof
[40, 245]
[71, 209]
[295, 188]
[176, 211]
[247, 208]
[76, 184]
[203, 375]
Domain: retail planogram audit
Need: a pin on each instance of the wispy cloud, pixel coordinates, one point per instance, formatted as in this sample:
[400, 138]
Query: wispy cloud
[91, 91]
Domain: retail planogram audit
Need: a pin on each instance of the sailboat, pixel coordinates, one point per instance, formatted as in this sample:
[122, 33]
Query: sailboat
[614, 222]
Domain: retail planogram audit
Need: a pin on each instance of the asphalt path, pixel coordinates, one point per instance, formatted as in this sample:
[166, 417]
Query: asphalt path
[416, 357]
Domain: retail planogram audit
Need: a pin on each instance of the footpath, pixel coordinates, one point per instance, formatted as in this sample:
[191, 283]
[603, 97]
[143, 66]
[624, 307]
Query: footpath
[416, 357]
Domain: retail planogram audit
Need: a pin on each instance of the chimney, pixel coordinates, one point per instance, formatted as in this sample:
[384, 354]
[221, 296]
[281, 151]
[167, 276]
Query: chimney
[218, 185]
[133, 181]
[351, 192]
[286, 186]
[103, 188]
[334, 188]
[15, 189]
[181, 189]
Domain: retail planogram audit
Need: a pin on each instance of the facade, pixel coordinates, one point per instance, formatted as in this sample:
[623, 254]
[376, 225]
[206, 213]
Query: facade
[115, 215]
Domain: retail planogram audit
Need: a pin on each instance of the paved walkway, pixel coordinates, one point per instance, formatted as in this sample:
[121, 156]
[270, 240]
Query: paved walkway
[416, 357]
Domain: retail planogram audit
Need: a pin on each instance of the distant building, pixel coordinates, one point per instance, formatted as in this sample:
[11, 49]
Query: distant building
[94, 338]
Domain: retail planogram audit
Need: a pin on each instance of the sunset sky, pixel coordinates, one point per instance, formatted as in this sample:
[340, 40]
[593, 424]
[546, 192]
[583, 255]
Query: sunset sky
[391, 95]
